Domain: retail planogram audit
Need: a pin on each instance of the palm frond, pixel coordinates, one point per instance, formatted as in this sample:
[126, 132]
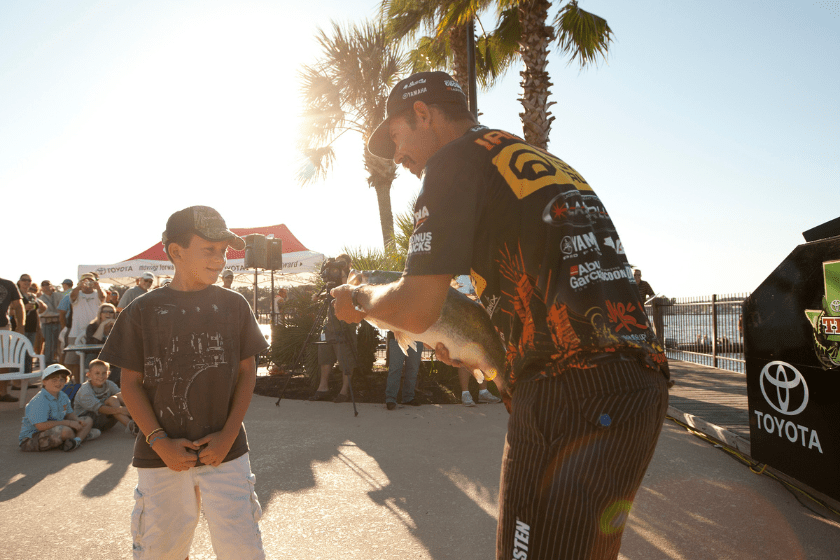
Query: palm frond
[374, 259]
[429, 54]
[404, 227]
[581, 34]
[496, 51]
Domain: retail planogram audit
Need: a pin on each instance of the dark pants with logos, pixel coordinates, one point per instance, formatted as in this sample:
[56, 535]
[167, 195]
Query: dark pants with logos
[577, 448]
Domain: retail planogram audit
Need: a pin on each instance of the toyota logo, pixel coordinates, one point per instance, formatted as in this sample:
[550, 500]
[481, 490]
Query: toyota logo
[782, 377]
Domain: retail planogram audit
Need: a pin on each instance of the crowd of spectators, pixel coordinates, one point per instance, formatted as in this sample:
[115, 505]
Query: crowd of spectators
[53, 318]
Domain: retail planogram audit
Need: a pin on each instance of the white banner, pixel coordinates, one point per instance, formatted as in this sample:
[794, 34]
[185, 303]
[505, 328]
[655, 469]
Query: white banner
[297, 269]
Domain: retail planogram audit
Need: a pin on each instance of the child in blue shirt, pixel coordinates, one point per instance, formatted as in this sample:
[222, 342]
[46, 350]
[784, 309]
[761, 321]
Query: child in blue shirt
[49, 420]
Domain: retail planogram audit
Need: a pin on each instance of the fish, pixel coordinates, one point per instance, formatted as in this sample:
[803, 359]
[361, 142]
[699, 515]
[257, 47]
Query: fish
[464, 327]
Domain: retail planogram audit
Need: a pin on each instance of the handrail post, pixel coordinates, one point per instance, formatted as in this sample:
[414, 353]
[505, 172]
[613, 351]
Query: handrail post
[714, 330]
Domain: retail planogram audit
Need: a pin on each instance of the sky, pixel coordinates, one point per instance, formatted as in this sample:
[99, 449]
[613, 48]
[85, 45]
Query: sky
[711, 133]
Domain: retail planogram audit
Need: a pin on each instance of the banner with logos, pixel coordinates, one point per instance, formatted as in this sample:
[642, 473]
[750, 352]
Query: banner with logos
[298, 268]
[792, 351]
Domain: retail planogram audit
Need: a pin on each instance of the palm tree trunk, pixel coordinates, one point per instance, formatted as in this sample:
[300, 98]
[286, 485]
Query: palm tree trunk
[533, 48]
[460, 68]
[381, 175]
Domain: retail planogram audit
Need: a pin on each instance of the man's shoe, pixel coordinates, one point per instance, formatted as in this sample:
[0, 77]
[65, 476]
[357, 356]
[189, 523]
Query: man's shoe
[319, 396]
[132, 428]
[71, 444]
[485, 396]
[339, 398]
[466, 399]
[93, 434]
[390, 405]
[412, 402]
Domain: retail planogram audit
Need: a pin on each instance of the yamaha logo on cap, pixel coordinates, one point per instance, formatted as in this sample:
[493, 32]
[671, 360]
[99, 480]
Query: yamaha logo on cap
[430, 88]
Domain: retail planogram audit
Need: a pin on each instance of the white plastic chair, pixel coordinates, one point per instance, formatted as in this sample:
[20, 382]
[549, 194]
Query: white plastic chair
[13, 349]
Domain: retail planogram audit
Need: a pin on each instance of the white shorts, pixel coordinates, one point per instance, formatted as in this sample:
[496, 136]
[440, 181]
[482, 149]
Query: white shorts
[167, 506]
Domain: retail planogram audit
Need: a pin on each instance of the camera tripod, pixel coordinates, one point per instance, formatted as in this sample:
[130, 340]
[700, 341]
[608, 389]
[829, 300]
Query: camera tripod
[344, 337]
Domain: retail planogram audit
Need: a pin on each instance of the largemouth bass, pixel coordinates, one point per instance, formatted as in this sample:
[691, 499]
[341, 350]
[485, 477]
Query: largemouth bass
[464, 327]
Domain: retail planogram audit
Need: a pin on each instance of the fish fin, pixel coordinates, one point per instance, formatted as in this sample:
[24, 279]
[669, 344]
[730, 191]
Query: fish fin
[404, 341]
[354, 277]
[478, 374]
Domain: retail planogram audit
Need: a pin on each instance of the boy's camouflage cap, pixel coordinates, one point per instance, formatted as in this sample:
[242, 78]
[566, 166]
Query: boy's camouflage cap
[203, 221]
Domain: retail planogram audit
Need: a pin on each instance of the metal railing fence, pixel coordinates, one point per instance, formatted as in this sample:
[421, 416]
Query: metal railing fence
[704, 330]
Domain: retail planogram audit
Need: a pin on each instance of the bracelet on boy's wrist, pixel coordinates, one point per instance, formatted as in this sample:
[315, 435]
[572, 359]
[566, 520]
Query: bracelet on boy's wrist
[161, 436]
[153, 432]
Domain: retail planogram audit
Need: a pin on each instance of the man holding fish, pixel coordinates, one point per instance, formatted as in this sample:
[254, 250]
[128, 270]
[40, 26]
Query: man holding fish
[562, 331]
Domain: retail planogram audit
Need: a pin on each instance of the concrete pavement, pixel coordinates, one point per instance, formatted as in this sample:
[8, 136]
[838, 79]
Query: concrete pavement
[417, 483]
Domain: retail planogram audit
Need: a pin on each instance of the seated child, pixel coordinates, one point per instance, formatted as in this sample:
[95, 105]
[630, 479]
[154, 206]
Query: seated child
[49, 420]
[100, 399]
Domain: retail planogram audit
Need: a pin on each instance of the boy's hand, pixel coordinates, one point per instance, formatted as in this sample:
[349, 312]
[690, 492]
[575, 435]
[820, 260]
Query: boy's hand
[217, 447]
[176, 453]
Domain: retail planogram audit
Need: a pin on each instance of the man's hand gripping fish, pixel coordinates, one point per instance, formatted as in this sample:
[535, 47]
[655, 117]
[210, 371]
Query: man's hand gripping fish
[463, 327]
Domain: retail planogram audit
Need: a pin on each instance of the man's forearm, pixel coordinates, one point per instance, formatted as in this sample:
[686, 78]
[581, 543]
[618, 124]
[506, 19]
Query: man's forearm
[413, 303]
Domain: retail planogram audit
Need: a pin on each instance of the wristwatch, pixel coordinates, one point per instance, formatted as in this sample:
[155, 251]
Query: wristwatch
[354, 298]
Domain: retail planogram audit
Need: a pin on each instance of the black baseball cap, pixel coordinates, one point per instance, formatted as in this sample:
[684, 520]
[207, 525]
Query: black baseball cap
[203, 221]
[428, 87]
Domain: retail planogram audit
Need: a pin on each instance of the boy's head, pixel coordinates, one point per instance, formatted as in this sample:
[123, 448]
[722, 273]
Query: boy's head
[196, 240]
[98, 372]
[54, 377]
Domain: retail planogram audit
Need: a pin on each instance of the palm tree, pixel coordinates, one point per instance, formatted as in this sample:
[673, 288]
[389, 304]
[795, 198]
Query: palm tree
[346, 90]
[447, 46]
[580, 35]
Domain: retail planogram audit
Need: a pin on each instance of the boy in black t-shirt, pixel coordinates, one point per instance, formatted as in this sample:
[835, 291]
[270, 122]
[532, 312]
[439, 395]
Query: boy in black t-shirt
[188, 357]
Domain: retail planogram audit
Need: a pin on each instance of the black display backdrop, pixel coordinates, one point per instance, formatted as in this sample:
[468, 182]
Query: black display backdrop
[792, 351]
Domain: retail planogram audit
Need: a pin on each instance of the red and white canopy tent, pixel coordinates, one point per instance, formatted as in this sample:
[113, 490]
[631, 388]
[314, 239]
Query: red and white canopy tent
[299, 263]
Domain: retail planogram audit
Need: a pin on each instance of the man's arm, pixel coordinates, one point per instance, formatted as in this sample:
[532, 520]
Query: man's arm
[174, 452]
[412, 303]
[219, 443]
[99, 290]
[16, 309]
[62, 318]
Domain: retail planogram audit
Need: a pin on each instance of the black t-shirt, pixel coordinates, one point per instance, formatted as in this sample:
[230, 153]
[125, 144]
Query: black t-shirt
[188, 346]
[31, 317]
[543, 254]
[8, 293]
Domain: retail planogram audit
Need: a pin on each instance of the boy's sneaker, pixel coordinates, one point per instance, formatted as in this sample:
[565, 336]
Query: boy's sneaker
[93, 434]
[132, 428]
[71, 444]
[466, 399]
[485, 396]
